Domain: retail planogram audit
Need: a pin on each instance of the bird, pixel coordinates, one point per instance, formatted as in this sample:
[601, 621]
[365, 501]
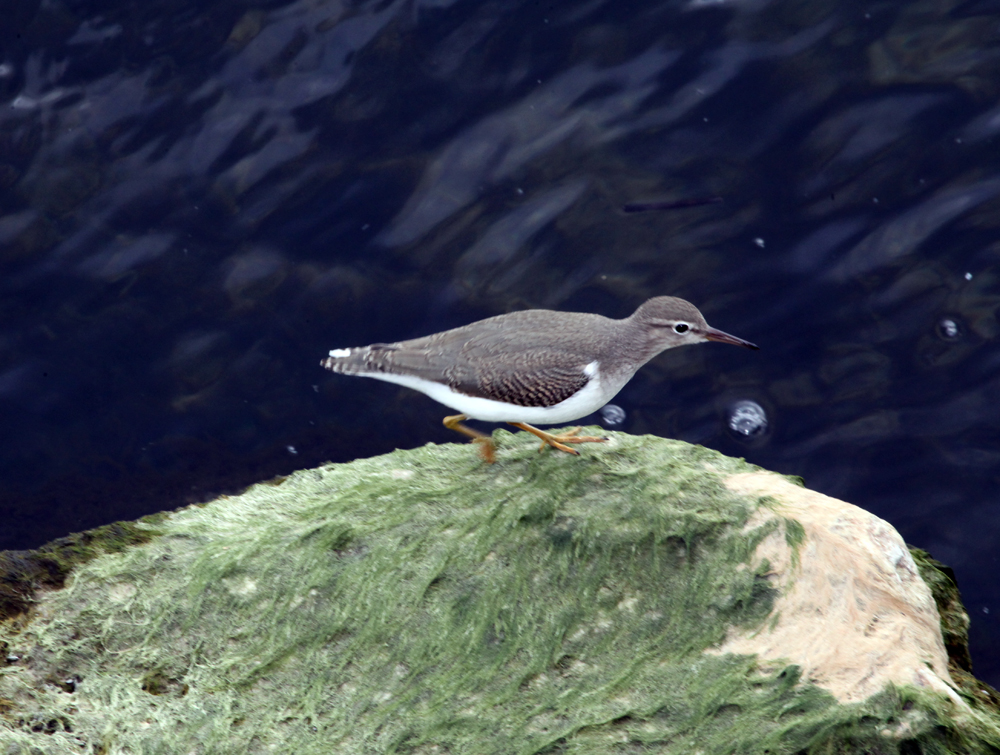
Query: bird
[531, 366]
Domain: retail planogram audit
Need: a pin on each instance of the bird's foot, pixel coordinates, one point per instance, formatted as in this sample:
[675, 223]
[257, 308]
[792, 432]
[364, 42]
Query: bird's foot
[559, 441]
[487, 448]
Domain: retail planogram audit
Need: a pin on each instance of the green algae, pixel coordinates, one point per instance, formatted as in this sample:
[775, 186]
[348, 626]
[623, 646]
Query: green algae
[954, 628]
[23, 573]
[426, 602]
[954, 620]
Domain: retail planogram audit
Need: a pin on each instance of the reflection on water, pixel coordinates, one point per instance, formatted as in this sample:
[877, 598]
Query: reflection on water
[197, 204]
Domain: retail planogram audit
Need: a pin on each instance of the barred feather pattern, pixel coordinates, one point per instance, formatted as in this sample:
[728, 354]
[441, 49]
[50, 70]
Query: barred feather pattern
[545, 387]
[374, 358]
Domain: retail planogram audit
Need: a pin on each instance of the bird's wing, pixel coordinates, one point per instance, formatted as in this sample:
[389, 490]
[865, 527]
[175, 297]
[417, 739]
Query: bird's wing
[489, 359]
[528, 377]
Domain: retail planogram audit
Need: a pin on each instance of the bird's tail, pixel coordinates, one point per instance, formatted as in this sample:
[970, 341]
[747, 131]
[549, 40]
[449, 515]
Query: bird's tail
[360, 360]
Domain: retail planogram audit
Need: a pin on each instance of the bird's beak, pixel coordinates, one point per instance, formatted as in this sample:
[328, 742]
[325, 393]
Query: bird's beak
[717, 335]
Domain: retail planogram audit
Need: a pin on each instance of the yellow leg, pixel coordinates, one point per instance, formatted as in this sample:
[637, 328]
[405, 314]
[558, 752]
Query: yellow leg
[487, 449]
[557, 441]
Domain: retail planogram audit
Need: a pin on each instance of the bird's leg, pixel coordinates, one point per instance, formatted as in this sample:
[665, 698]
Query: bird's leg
[487, 448]
[557, 441]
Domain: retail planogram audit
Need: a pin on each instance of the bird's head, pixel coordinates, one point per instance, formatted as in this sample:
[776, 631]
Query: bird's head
[671, 322]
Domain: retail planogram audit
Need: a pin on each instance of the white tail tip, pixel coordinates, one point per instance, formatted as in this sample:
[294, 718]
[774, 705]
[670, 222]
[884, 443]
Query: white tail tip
[340, 353]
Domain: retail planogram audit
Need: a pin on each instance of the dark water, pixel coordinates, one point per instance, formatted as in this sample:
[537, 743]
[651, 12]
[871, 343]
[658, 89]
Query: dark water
[199, 200]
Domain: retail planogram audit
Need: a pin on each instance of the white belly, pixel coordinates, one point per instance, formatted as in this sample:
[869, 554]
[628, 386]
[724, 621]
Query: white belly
[593, 396]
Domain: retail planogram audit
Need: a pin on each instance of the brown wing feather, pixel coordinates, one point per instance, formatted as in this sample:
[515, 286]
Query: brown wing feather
[524, 379]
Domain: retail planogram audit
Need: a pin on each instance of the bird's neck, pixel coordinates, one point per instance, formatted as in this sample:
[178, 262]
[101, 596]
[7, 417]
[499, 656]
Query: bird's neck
[632, 345]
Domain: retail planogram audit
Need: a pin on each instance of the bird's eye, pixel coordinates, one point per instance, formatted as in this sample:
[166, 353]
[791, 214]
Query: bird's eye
[681, 327]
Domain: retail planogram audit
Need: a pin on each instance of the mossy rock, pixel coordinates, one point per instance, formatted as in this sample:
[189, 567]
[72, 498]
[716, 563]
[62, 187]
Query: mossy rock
[425, 602]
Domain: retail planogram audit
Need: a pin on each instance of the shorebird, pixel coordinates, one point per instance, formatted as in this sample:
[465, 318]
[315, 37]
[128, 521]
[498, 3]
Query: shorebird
[534, 366]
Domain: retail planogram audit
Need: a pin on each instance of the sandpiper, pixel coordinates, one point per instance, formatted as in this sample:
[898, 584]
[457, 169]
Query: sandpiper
[532, 366]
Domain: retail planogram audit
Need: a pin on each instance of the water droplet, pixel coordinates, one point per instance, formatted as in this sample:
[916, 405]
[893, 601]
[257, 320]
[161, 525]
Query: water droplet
[968, 276]
[612, 415]
[746, 419]
[948, 329]
[759, 242]
[291, 449]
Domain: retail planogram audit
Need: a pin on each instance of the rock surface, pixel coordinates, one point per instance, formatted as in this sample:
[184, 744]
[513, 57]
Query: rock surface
[647, 596]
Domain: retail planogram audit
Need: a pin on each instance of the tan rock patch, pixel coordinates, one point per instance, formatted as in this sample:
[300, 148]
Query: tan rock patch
[853, 612]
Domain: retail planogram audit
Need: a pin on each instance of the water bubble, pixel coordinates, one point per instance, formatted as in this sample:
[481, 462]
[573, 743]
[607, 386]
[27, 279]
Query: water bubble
[746, 419]
[948, 329]
[612, 415]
